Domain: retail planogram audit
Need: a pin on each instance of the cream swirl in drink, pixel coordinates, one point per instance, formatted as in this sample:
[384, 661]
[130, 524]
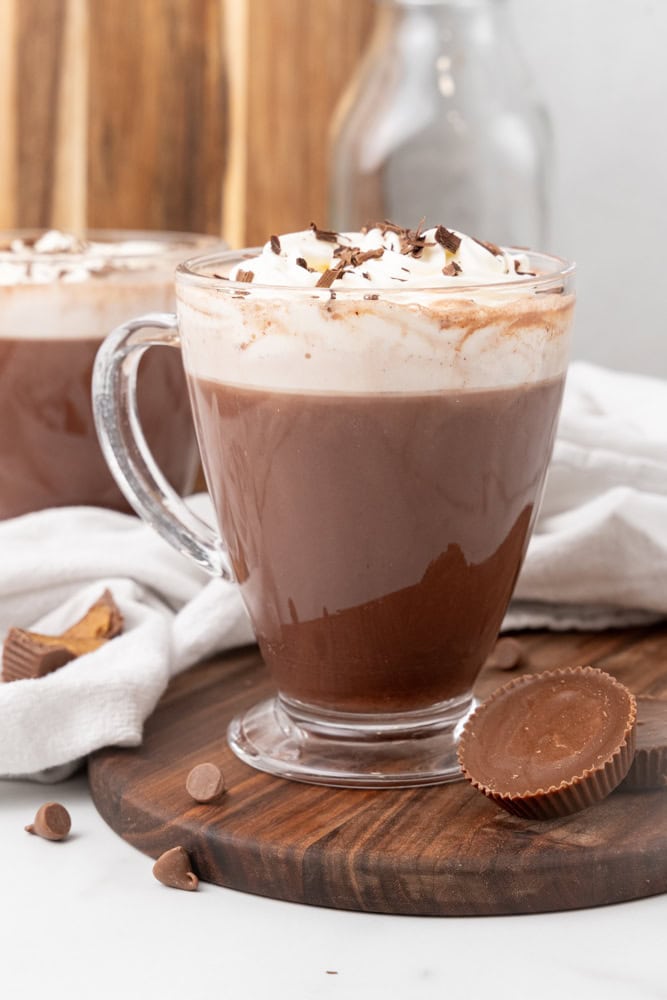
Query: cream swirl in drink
[374, 319]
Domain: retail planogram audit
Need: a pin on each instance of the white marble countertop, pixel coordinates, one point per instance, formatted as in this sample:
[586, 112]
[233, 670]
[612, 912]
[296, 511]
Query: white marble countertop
[85, 919]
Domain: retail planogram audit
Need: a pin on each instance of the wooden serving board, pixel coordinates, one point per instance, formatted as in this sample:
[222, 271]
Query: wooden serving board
[439, 850]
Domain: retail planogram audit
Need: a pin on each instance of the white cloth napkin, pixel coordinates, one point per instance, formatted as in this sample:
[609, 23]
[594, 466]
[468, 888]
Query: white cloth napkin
[53, 565]
[598, 557]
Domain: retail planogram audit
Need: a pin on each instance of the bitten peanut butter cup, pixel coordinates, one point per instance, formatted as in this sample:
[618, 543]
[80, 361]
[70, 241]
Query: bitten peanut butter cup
[29, 655]
[550, 744]
[649, 767]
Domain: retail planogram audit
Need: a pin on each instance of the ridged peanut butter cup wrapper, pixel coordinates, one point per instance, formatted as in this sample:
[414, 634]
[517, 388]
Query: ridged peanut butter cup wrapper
[548, 745]
[649, 766]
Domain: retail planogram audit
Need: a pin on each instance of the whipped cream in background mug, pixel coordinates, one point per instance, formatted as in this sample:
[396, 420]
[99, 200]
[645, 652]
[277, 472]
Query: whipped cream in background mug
[375, 413]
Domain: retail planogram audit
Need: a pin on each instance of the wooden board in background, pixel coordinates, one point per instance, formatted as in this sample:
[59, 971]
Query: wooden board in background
[442, 850]
[205, 115]
[296, 58]
[157, 120]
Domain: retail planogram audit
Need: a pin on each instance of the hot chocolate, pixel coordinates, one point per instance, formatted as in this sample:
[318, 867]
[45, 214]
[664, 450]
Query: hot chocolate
[376, 537]
[58, 298]
[375, 413]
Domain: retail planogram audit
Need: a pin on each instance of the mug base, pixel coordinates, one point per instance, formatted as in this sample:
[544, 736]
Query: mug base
[351, 751]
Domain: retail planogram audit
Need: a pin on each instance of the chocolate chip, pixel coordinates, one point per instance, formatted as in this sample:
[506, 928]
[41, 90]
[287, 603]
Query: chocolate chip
[52, 822]
[205, 783]
[506, 654]
[173, 869]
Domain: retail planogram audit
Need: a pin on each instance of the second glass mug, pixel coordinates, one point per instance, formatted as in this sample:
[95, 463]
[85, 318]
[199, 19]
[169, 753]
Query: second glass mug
[375, 464]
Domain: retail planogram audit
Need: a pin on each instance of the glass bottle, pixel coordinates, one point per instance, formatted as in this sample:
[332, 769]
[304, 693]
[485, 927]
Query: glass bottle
[441, 121]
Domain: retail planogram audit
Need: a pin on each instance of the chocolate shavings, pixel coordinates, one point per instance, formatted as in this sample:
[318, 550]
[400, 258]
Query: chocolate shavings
[328, 277]
[529, 274]
[326, 235]
[302, 262]
[245, 276]
[447, 239]
[353, 256]
[275, 244]
[412, 241]
[491, 247]
[452, 269]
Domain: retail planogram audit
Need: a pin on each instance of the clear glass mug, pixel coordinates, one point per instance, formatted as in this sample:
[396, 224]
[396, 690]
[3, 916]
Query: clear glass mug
[375, 462]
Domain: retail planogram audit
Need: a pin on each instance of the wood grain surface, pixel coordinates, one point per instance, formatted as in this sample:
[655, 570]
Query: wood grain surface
[294, 64]
[205, 115]
[441, 850]
[157, 114]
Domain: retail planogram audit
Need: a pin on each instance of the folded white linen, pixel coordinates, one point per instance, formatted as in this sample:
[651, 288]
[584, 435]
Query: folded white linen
[598, 557]
[53, 565]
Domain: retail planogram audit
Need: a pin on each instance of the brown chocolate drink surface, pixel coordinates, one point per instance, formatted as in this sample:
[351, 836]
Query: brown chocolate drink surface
[49, 453]
[376, 538]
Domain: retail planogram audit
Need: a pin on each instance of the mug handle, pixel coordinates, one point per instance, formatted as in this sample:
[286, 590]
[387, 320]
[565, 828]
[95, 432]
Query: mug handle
[126, 451]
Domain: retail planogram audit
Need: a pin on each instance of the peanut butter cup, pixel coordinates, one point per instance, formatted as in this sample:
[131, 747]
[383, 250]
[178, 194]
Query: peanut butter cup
[29, 655]
[649, 767]
[546, 745]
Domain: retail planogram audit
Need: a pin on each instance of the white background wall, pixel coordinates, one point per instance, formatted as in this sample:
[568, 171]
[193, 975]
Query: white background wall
[601, 67]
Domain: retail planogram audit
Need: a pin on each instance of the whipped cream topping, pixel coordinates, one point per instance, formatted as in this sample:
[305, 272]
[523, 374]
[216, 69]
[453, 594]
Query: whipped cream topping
[386, 310]
[57, 285]
[59, 256]
[381, 256]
